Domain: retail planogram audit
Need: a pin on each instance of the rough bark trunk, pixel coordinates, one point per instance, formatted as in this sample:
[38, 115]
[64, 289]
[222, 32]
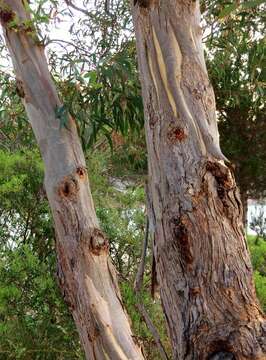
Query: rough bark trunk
[244, 201]
[202, 260]
[86, 275]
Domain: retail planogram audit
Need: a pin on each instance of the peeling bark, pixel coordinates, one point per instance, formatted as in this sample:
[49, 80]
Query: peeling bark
[202, 261]
[86, 276]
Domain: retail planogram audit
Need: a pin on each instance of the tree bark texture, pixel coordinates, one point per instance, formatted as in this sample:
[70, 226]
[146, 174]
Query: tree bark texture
[244, 201]
[202, 261]
[86, 275]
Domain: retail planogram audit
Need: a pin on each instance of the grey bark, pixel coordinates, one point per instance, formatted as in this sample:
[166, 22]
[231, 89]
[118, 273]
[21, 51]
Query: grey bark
[86, 276]
[202, 261]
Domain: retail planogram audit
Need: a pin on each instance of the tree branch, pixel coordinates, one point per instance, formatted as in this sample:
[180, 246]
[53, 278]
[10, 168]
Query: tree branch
[139, 305]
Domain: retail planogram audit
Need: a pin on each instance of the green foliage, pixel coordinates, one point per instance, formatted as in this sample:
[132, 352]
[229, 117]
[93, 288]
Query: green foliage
[105, 99]
[260, 282]
[131, 155]
[230, 8]
[35, 323]
[154, 310]
[258, 257]
[258, 253]
[24, 211]
[236, 63]
[15, 130]
[120, 210]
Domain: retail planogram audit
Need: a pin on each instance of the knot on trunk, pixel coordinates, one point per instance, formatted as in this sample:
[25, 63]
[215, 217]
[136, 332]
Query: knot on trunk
[68, 187]
[97, 241]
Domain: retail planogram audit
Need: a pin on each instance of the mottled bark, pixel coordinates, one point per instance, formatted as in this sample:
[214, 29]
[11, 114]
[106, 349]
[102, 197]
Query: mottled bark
[202, 260]
[86, 275]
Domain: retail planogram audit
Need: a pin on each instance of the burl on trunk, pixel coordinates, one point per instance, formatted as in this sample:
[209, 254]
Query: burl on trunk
[202, 261]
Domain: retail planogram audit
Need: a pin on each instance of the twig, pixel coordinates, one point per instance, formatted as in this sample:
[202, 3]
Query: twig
[77, 8]
[140, 273]
[139, 305]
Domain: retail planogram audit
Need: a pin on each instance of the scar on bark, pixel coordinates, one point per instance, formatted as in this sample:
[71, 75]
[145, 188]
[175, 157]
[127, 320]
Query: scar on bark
[180, 232]
[96, 240]
[94, 332]
[81, 171]
[19, 88]
[68, 187]
[176, 134]
[153, 118]
[223, 176]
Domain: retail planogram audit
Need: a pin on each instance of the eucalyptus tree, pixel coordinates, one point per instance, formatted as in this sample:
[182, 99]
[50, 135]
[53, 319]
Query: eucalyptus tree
[86, 276]
[202, 262]
[236, 64]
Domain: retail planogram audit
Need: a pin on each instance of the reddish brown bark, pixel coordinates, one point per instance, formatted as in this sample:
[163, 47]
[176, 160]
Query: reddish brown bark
[202, 260]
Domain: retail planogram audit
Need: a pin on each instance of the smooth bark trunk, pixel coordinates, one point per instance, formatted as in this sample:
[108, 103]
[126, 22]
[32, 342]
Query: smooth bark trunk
[86, 275]
[202, 260]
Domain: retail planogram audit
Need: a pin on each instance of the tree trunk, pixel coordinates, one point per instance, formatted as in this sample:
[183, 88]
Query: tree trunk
[202, 260]
[86, 275]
